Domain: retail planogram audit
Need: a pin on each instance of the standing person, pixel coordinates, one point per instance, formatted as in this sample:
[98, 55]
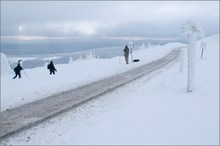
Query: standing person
[126, 53]
[17, 70]
[51, 67]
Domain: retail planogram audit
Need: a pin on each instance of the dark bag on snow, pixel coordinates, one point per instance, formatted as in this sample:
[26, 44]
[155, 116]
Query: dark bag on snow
[136, 60]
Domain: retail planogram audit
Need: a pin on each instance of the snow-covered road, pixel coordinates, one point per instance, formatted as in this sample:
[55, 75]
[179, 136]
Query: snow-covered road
[28, 115]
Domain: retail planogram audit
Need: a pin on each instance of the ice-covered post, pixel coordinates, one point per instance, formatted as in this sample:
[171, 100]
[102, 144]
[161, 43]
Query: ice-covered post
[192, 30]
[203, 46]
[131, 46]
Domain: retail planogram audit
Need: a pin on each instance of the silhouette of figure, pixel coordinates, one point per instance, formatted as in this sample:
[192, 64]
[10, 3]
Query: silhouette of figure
[51, 68]
[17, 70]
[126, 53]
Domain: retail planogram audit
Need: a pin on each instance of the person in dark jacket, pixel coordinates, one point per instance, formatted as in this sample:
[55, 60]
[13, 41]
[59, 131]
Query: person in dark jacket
[17, 70]
[51, 68]
[126, 53]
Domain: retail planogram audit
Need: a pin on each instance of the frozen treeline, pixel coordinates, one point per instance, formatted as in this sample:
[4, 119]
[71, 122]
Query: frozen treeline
[33, 61]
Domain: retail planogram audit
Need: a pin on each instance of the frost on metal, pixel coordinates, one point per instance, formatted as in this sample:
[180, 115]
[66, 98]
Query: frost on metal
[192, 30]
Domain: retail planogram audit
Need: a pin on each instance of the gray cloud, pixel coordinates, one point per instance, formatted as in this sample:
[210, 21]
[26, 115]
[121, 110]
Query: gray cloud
[107, 18]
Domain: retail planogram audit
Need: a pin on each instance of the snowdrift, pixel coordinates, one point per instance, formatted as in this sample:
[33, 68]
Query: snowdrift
[5, 67]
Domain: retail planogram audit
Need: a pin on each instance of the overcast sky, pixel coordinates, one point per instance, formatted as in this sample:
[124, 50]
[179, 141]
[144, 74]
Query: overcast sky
[57, 19]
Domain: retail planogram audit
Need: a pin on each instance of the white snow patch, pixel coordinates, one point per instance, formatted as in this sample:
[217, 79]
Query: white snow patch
[5, 67]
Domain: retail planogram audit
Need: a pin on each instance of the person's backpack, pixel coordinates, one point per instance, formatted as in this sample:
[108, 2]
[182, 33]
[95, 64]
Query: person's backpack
[48, 66]
[15, 69]
[18, 68]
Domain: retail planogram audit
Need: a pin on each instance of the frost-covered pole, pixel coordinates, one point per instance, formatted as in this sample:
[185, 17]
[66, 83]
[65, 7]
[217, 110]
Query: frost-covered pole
[191, 60]
[131, 46]
[192, 30]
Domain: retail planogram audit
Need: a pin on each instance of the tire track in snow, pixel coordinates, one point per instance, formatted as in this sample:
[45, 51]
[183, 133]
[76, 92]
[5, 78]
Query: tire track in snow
[31, 114]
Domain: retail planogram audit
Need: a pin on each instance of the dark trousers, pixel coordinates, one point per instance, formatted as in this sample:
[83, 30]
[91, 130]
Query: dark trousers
[17, 74]
[126, 59]
[52, 71]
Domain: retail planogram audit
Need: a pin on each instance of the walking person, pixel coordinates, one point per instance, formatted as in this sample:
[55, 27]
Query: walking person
[17, 70]
[51, 68]
[126, 53]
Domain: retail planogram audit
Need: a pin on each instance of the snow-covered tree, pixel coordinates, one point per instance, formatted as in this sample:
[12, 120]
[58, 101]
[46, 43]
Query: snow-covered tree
[80, 58]
[149, 45]
[71, 60]
[192, 30]
[143, 46]
[90, 56]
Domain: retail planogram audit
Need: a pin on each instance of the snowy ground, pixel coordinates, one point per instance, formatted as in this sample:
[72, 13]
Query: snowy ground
[147, 111]
[40, 84]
